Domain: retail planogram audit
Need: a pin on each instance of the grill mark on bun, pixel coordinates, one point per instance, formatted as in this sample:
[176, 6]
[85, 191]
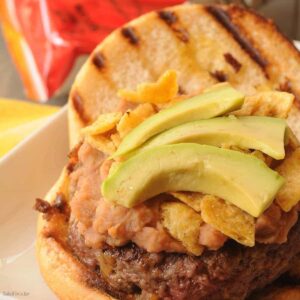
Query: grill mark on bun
[181, 91]
[241, 12]
[168, 16]
[171, 19]
[219, 75]
[233, 61]
[98, 60]
[73, 158]
[287, 87]
[225, 20]
[79, 107]
[130, 34]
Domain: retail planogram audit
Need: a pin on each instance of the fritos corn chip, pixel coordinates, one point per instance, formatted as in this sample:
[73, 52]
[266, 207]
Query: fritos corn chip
[272, 104]
[133, 118]
[291, 139]
[229, 219]
[103, 124]
[191, 199]
[183, 223]
[116, 139]
[101, 143]
[165, 89]
[177, 99]
[289, 194]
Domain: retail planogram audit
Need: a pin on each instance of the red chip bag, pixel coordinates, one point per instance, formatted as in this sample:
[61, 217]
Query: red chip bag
[46, 36]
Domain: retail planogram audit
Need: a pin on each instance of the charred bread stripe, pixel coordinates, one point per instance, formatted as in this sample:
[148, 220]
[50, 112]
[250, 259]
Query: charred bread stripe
[171, 19]
[168, 16]
[219, 75]
[223, 18]
[181, 91]
[73, 158]
[286, 87]
[233, 61]
[98, 60]
[78, 104]
[130, 34]
[237, 12]
[277, 50]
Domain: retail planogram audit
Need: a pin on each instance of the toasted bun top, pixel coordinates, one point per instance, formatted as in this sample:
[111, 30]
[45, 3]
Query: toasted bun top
[204, 44]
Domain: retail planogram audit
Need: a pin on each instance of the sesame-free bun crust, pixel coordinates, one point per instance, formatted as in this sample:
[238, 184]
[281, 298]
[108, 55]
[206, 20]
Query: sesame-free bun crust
[64, 274]
[193, 40]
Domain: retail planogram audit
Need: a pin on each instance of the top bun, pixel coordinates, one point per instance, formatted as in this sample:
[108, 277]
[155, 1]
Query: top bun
[204, 44]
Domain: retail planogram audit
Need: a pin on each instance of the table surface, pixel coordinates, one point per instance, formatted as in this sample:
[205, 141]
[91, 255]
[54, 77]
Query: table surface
[286, 14]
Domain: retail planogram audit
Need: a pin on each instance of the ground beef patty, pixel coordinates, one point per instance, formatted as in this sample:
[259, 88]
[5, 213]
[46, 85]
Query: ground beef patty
[231, 272]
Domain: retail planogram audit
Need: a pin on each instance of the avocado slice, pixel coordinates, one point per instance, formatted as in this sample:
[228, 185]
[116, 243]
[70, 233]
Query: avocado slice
[239, 178]
[260, 133]
[214, 102]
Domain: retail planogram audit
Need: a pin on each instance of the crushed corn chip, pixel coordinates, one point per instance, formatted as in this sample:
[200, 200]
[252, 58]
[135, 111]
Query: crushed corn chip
[183, 223]
[229, 219]
[272, 104]
[103, 124]
[101, 143]
[165, 89]
[116, 139]
[133, 118]
[264, 87]
[291, 139]
[289, 194]
[175, 100]
[265, 158]
[191, 199]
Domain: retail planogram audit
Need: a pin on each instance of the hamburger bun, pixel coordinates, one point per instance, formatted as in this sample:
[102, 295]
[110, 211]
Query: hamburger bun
[205, 45]
[64, 274]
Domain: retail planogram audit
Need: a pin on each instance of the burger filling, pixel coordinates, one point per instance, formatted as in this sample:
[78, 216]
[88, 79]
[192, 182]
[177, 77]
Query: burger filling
[101, 222]
[172, 183]
[183, 221]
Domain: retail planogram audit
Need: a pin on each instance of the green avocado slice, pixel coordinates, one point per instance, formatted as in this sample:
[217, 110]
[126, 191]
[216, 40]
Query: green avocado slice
[260, 133]
[214, 102]
[239, 178]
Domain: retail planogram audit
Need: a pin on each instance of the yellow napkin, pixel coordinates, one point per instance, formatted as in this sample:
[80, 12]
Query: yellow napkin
[18, 119]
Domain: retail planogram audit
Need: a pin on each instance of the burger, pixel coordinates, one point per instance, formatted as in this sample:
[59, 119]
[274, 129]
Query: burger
[183, 180]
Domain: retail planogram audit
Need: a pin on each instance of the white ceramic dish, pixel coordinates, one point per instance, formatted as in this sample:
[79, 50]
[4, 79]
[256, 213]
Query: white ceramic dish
[27, 172]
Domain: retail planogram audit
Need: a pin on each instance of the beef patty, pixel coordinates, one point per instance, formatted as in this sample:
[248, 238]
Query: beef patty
[232, 272]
